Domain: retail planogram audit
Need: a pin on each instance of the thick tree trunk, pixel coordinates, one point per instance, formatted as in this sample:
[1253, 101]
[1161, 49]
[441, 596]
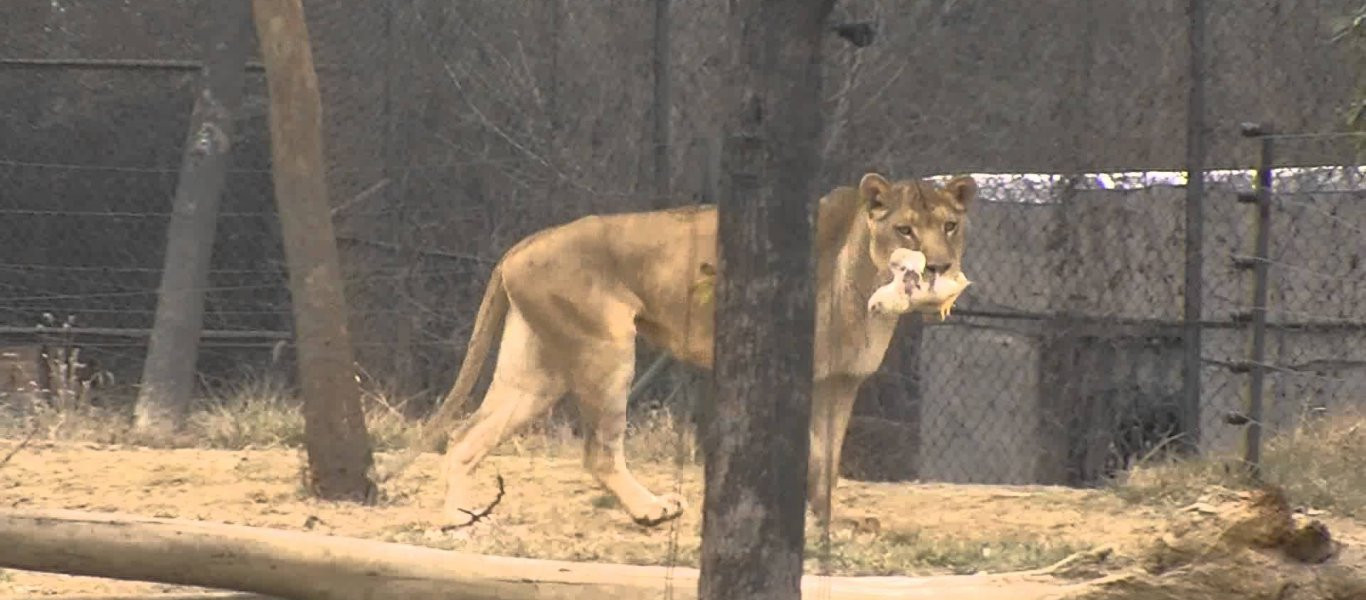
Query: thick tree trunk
[757, 427]
[168, 373]
[338, 446]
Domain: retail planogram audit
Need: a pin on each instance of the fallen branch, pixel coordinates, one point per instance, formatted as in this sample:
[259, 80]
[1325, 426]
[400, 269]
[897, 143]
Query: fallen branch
[150, 596]
[24, 442]
[476, 517]
[295, 564]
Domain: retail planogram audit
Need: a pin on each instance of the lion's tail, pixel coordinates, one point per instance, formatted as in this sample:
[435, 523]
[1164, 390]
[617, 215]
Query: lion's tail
[492, 312]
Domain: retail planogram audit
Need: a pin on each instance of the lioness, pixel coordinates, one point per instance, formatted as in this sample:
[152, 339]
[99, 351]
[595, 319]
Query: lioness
[571, 299]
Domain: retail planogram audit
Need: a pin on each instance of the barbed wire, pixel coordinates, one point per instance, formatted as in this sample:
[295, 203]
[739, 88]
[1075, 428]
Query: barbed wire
[1332, 217]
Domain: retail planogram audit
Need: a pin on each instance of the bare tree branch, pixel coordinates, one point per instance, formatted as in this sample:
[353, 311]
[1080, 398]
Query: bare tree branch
[22, 443]
[479, 515]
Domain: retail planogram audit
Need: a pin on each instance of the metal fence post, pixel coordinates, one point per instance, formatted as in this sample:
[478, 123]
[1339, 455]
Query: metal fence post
[1260, 263]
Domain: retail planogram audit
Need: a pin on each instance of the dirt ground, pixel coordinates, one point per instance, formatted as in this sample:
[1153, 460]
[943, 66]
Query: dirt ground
[552, 509]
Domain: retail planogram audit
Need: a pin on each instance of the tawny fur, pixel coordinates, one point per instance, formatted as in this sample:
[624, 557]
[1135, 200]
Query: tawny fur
[570, 300]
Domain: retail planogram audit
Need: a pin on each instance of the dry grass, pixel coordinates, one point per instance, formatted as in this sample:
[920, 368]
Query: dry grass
[263, 414]
[260, 415]
[892, 553]
[254, 413]
[1318, 463]
[554, 510]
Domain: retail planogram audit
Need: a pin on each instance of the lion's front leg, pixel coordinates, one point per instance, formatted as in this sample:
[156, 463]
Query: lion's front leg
[832, 403]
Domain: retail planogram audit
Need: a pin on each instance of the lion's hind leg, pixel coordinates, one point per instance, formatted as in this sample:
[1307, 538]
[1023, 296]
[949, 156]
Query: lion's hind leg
[523, 388]
[601, 387]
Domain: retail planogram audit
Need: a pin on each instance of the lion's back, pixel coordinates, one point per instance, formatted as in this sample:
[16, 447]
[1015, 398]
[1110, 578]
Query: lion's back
[644, 252]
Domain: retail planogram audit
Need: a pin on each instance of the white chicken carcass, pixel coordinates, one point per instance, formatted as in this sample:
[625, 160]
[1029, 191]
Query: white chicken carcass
[909, 289]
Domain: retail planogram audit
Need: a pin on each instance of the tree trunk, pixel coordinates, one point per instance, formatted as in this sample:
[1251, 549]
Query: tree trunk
[168, 373]
[663, 104]
[1193, 295]
[758, 425]
[334, 429]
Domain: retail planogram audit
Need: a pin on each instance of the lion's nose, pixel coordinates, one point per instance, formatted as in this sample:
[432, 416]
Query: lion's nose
[938, 268]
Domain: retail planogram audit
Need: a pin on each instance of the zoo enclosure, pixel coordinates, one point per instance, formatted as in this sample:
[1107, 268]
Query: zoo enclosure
[447, 143]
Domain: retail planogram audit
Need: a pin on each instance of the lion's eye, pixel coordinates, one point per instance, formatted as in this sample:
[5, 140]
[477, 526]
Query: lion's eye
[950, 226]
[904, 230]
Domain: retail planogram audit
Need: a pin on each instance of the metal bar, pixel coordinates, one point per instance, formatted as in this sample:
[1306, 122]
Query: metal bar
[132, 64]
[129, 64]
[647, 377]
[1252, 448]
[1080, 319]
[1195, 231]
[130, 332]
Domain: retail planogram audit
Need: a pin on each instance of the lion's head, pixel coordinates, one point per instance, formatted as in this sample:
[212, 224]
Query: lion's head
[918, 215]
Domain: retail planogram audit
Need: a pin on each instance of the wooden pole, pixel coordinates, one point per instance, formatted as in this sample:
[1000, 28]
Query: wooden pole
[1261, 264]
[1192, 301]
[168, 373]
[289, 564]
[339, 457]
[757, 428]
[147, 596]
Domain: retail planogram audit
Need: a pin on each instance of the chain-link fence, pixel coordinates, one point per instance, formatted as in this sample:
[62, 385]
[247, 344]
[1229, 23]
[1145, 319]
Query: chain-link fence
[1297, 353]
[1064, 362]
[455, 128]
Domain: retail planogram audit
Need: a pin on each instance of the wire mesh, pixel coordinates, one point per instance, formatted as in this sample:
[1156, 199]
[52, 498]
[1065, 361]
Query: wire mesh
[454, 129]
[1315, 312]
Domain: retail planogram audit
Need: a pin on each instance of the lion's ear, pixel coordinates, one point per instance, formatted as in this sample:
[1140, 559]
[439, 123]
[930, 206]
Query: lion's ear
[963, 188]
[873, 190]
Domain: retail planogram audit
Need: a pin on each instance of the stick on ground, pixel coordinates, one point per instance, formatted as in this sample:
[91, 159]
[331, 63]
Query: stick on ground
[24, 442]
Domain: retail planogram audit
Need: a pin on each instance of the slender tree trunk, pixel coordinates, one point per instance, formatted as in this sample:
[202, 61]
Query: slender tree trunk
[663, 104]
[338, 446]
[757, 429]
[168, 373]
[1193, 298]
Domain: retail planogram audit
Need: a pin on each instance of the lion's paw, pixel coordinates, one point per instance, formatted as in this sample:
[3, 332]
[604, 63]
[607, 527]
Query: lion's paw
[662, 509]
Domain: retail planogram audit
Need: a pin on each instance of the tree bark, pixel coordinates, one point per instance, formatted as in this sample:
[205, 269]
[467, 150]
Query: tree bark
[1193, 296]
[663, 104]
[758, 426]
[168, 373]
[338, 445]
[291, 564]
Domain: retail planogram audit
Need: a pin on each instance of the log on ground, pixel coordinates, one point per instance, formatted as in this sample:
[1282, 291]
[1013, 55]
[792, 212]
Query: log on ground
[290, 564]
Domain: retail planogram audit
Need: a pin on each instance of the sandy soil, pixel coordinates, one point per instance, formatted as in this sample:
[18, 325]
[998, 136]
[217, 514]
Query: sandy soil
[552, 509]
